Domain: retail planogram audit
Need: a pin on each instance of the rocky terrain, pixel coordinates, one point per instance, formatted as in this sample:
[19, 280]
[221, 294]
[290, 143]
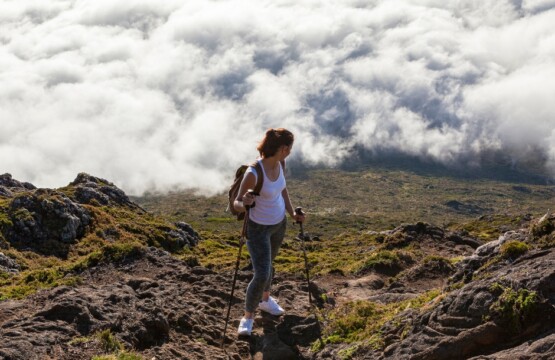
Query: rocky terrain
[86, 273]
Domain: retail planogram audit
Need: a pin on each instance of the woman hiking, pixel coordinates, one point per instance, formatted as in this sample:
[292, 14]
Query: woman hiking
[266, 223]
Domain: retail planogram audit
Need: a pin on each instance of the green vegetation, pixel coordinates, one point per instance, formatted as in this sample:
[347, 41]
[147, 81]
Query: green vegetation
[348, 352]
[116, 233]
[383, 261]
[108, 341]
[119, 356]
[360, 321]
[490, 227]
[111, 344]
[514, 308]
[113, 348]
[513, 249]
[543, 232]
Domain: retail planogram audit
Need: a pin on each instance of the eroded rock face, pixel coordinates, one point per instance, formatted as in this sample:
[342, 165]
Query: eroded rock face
[484, 315]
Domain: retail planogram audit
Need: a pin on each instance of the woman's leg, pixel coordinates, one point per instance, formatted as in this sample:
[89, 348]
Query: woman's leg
[276, 239]
[260, 250]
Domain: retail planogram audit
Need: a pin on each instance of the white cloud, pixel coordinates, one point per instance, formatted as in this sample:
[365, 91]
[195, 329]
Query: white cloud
[163, 95]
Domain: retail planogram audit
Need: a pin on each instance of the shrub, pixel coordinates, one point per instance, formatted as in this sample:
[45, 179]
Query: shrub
[544, 227]
[513, 249]
[514, 308]
[108, 341]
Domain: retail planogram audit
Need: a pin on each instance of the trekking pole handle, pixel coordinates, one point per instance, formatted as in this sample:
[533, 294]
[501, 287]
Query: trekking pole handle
[299, 210]
[251, 191]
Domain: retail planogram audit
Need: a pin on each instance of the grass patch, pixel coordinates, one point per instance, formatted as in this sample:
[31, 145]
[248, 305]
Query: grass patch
[360, 321]
[111, 344]
[384, 261]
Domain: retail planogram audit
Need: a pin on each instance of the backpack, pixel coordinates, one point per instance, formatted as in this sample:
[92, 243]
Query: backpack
[234, 188]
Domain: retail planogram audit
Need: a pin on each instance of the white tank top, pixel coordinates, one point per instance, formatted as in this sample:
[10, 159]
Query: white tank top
[270, 206]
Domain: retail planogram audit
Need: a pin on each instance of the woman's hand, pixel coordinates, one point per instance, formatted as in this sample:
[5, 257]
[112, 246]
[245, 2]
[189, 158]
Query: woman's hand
[248, 199]
[299, 218]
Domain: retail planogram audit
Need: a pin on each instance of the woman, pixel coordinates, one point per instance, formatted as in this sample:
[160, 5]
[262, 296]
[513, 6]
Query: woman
[267, 222]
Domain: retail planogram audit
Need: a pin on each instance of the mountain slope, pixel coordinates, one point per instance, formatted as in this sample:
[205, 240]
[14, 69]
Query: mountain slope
[86, 272]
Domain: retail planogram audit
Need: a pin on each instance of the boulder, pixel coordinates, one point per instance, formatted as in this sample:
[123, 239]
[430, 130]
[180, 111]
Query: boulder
[96, 191]
[8, 265]
[7, 181]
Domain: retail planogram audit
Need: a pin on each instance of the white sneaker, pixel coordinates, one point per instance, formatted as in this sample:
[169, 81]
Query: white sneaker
[245, 327]
[271, 307]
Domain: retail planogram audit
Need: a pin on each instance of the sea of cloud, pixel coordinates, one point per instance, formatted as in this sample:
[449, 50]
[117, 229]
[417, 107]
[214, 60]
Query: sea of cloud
[160, 95]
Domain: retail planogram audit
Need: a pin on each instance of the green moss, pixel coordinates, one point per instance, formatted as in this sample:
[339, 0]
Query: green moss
[22, 214]
[108, 253]
[384, 260]
[120, 356]
[489, 227]
[513, 249]
[111, 344]
[108, 341]
[28, 282]
[513, 308]
[360, 321]
[348, 352]
[5, 220]
[221, 220]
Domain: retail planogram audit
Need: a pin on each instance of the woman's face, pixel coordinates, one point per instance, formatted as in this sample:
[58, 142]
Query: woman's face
[286, 150]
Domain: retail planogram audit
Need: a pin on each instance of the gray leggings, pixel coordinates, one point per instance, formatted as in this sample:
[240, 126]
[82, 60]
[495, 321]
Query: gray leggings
[263, 243]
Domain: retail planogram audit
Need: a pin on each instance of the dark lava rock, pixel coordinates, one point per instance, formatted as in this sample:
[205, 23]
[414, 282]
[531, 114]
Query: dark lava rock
[483, 316]
[8, 265]
[154, 305]
[96, 191]
[6, 181]
[46, 221]
[186, 234]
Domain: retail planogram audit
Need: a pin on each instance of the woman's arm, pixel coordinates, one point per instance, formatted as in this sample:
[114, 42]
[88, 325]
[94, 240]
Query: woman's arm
[243, 197]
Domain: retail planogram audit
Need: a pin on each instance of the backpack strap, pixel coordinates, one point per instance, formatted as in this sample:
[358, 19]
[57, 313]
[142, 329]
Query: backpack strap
[259, 177]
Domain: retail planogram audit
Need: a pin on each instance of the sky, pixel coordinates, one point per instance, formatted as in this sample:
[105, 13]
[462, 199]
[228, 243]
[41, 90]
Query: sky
[166, 95]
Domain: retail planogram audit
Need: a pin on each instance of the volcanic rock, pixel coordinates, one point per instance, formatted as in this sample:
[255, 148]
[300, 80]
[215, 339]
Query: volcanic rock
[8, 265]
[46, 221]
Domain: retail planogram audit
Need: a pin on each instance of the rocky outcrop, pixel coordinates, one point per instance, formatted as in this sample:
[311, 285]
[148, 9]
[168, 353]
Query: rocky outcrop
[96, 191]
[8, 265]
[51, 221]
[46, 221]
[505, 302]
[9, 186]
[186, 233]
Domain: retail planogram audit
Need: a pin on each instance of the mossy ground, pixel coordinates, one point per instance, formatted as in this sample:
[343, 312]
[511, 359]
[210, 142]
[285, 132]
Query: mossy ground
[360, 321]
[115, 233]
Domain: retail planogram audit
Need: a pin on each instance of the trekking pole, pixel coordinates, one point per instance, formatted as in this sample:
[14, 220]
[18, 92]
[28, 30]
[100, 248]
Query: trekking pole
[241, 242]
[299, 211]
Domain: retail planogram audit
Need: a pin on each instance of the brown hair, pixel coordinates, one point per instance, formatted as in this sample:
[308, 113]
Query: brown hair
[273, 139]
